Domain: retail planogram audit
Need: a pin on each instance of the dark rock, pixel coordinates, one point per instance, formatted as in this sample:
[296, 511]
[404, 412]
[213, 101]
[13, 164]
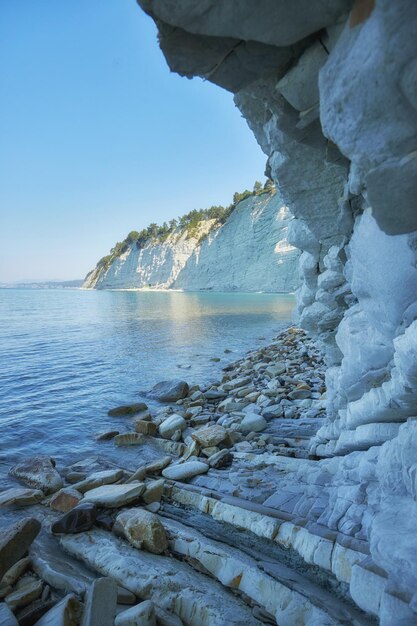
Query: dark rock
[79, 519]
[15, 541]
[169, 390]
[104, 520]
[127, 409]
[109, 434]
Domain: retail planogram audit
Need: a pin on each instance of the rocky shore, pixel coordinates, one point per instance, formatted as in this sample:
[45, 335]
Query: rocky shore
[204, 528]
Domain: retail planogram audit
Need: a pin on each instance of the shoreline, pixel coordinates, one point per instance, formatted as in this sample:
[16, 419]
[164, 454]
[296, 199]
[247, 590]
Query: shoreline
[220, 443]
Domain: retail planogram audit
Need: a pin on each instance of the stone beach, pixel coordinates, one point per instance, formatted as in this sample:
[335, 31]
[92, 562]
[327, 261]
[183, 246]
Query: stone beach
[210, 533]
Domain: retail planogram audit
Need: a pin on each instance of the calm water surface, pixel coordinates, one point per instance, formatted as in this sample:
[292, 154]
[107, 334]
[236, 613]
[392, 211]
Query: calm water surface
[67, 356]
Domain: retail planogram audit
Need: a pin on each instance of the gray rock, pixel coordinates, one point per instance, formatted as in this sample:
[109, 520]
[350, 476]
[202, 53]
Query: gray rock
[142, 529]
[169, 390]
[172, 423]
[100, 607]
[252, 423]
[186, 470]
[66, 613]
[128, 409]
[114, 496]
[6, 616]
[20, 496]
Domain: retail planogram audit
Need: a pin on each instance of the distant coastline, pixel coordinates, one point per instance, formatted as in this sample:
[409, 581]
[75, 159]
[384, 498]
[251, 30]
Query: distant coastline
[44, 284]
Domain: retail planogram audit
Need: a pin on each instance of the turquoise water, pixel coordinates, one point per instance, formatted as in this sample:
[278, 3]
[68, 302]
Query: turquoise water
[69, 355]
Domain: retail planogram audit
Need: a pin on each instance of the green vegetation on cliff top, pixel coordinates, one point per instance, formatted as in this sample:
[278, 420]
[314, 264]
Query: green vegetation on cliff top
[188, 223]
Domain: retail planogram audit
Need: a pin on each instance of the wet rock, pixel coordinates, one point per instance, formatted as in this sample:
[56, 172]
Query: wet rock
[210, 436]
[100, 606]
[66, 613]
[25, 594]
[6, 616]
[145, 428]
[97, 479]
[185, 470]
[252, 422]
[114, 496]
[65, 499]
[107, 435]
[16, 571]
[169, 390]
[171, 424]
[142, 529]
[129, 439]
[79, 519]
[154, 491]
[38, 472]
[20, 496]
[221, 459]
[15, 541]
[143, 614]
[128, 409]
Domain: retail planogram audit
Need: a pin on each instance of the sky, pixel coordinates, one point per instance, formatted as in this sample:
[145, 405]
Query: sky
[98, 137]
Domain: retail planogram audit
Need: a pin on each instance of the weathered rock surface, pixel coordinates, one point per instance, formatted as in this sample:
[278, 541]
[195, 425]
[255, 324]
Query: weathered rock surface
[65, 499]
[20, 496]
[249, 252]
[142, 529]
[143, 614]
[339, 106]
[100, 606]
[38, 472]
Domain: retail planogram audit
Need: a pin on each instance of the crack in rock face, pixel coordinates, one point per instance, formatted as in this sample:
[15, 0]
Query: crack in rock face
[329, 91]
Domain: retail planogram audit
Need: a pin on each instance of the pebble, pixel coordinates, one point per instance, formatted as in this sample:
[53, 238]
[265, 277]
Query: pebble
[252, 423]
[171, 424]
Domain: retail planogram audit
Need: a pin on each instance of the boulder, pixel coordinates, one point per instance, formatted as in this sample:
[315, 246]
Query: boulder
[114, 496]
[15, 541]
[143, 614]
[20, 496]
[186, 470]
[252, 423]
[127, 409]
[210, 436]
[169, 390]
[142, 529]
[79, 519]
[172, 423]
[65, 499]
[38, 472]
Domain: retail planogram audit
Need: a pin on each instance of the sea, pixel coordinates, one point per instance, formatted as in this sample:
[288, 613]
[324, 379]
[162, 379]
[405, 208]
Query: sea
[68, 355]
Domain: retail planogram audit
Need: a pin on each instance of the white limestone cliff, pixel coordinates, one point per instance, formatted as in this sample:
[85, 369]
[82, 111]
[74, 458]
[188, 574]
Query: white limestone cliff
[249, 252]
[330, 91]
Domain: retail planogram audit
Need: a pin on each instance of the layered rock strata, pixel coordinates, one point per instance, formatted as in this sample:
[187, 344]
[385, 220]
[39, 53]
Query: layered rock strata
[329, 90]
[249, 252]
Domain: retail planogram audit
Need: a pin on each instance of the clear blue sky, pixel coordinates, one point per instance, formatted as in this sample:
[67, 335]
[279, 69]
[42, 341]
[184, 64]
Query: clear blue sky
[98, 138]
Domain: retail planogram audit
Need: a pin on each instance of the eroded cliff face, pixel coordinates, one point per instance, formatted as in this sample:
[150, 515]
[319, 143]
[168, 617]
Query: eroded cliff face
[330, 92]
[249, 252]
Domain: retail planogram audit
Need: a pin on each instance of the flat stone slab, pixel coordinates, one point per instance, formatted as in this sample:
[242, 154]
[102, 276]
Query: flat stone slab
[114, 496]
[175, 586]
[100, 606]
[184, 471]
[20, 496]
